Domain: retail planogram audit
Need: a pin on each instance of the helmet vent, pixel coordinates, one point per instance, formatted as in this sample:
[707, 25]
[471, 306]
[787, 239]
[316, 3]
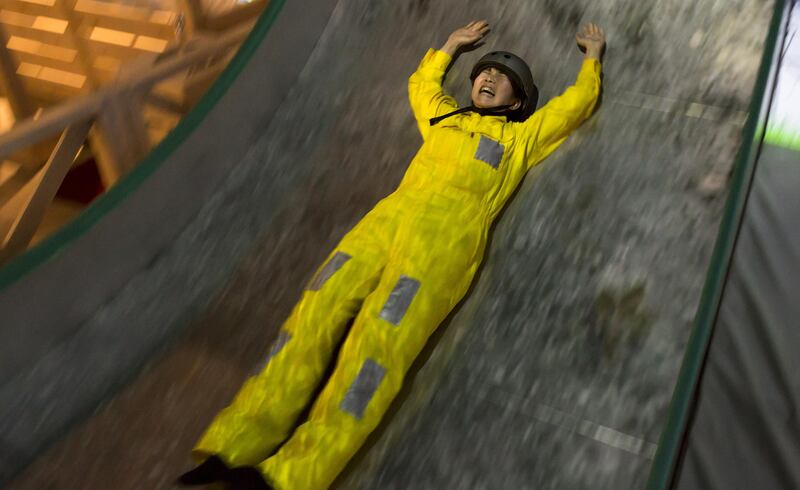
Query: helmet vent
[506, 56]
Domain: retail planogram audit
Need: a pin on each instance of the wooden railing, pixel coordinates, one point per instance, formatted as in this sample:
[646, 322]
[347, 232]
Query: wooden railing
[110, 120]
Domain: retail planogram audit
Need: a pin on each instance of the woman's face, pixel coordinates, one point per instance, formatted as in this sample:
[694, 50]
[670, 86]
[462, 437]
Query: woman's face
[492, 88]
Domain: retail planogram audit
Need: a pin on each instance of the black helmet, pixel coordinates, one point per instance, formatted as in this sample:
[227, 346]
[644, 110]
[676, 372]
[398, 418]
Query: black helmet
[520, 75]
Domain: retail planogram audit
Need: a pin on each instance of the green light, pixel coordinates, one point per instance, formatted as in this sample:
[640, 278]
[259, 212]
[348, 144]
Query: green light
[783, 136]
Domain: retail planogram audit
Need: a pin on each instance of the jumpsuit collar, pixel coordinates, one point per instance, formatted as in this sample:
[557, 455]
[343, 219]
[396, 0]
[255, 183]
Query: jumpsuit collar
[476, 123]
[496, 112]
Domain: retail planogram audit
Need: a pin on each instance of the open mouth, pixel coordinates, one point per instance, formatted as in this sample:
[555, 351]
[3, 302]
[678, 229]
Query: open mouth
[487, 91]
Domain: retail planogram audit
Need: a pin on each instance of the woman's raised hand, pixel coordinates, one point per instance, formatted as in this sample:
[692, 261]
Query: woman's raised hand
[466, 36]
[591, 40]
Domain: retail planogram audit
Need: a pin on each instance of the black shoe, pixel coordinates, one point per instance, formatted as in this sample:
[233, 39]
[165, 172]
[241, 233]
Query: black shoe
[246, 478]
[209, 471]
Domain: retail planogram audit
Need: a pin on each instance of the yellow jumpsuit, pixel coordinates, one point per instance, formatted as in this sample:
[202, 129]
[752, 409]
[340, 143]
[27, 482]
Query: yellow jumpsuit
[397, 273]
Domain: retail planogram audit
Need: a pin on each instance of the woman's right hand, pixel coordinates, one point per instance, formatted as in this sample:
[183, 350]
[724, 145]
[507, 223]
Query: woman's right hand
[466, 36]
[591, 40]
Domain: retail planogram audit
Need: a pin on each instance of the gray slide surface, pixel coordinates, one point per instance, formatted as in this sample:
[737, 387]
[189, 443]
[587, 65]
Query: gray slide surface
[557, 369]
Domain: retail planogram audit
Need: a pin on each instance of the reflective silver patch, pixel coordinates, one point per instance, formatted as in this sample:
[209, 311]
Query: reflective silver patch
[399, 300]
[363, 388]
[334, 264]
[283, 338]
[489, 151]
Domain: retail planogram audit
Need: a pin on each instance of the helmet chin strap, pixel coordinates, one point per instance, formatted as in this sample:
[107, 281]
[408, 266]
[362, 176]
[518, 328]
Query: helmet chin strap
[494, 111]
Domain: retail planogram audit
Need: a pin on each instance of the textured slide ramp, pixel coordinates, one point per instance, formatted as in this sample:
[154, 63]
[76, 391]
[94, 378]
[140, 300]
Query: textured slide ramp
[557, 369]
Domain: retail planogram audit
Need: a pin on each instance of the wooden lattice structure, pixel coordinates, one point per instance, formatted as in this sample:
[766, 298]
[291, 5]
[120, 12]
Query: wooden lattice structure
[92, 79]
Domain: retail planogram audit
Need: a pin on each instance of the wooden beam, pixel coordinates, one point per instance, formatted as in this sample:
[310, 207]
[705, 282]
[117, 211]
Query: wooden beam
[198, 84]
[48, 92]
[33, 157]
[31, 33]
[32, 201]
[119, 137]
[163, 31]
[123, 53]
[167, 103]
[32, 9]
[13, 184]
[194, 19]
[18, 98]
[108, 10]
[51, 122]
[236, 15]
[69, 66]
[84, 58]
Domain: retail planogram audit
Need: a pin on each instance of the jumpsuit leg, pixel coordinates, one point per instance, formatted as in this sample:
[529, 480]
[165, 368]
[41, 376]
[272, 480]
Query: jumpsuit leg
[417, 291]
[269, 403]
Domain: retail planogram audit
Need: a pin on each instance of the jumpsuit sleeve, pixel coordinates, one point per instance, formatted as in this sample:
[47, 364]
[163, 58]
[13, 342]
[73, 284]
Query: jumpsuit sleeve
[425, 90]
[548, 127]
